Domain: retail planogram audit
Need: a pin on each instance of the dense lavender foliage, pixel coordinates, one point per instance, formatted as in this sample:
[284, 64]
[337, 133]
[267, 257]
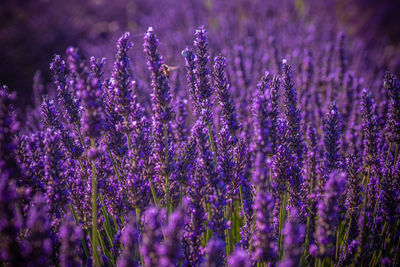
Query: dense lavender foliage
[275, 150]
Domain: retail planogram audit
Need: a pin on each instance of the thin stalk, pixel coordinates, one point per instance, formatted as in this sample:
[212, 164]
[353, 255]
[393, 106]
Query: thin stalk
[153, 192]
[211, 139]
[388, 153]
[396, 258]
[167, 163]
[78, 129]
[94, 210]
[365, 204]
[82, 168]
[282, 219]
[85, 248]
[113, 161]
[138, 224]
[208, 231]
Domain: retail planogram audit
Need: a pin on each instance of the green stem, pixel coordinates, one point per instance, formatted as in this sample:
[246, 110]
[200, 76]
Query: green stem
[113, 161]
[85, 248]
[153, 192]
[388, 153]
[80, 135]
[94, 210]
[138, 225]
[211, 139]
[167, 165]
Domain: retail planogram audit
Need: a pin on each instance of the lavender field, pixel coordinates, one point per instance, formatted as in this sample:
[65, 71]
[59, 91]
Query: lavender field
[206, 133]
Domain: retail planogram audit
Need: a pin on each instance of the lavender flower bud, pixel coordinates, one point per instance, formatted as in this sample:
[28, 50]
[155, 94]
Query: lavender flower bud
[38, 245]
[332, 130]
[239, 258]
[203, 87]
[370, 129]
[130, 241]
[292, 113]
[265, 249]
[121, 77]
[393, 124]
[221, 84]
[293, 238]
[215, 253]
[152, 235]
[328, 216]
[71, 234]
[66, 98]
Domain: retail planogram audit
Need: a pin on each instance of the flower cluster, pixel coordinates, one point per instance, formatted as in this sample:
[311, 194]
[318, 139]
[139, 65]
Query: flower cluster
[247, 160]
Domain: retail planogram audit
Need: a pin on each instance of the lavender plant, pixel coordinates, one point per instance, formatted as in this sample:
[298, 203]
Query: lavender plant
[272, 163]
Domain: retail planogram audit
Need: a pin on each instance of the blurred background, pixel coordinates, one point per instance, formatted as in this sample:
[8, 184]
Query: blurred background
[31, 31]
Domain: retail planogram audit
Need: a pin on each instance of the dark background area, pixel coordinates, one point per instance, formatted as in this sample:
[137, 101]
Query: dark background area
[31, 31]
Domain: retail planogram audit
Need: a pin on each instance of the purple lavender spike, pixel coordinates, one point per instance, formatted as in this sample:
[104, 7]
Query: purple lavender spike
[171, 250]
[221, 84]
[56, 187]
[215, 253]
[152, 235]
[292, 113]
[38, 246]
[239, 258]
[393, 124]
[10, 250]
[163, 115]
[332, 130]
[328, 216]
[370, 129]
[265, 247]
[65, 96]
[293, 238]
[71, 234]
[130, 241]
[191, 78]
[121, 76]
[353, 192]
[203, 86]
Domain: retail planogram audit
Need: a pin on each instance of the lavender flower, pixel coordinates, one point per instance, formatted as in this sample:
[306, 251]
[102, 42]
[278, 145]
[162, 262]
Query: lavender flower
[152, 234]
[262, 120]
[370, 129]
[353, 192]
[393, 124]
[96, 66]
[122, 81]
[163, 148]
[130, 241]
[37, 247]
[332, 130]
[202, 73]
[191, 78]
[292, 113]
[389, 196]
[197, 189]
[93, 118]
[66, 97]
[170, 251]
[221, 84]
[239, 258]
[265, 248]
[215, 253]
[56, 188]
[328, 216]
[274, 111]
[71, 234]
[51, 120]
[293, 238]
